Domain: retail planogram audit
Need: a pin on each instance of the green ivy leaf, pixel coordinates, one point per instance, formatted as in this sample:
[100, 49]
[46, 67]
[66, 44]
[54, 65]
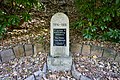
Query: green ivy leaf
[9, 20]
[87, 34]
[93, 28]
[118, 13]
[2, 29]
[103, 27]
[117, 1]
[13, 21]
[26, 16]
[5, 24]
[103, 14]
[113, 14]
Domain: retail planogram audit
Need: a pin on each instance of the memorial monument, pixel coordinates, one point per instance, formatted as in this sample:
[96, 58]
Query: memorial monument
[59, 58]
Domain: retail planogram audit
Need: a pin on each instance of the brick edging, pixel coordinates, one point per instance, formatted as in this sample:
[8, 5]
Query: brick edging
[85, 49]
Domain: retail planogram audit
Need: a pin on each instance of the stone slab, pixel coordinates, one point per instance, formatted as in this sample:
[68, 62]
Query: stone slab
[59, 33]
[38, 73]
[96, 51]
[6, 78]
[84, 78]
[86, 50]
[0, 57]
[109, 53]
[76, 48]
[46, 47]
[30, 78]
[38, 48]
[75, 73]
[117, 57]
[59, 63]
[28, 50]
[7, 55]
[19, 50]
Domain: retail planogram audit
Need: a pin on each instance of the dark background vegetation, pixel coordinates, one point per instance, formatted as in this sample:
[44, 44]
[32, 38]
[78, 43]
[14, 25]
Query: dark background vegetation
[98, 19]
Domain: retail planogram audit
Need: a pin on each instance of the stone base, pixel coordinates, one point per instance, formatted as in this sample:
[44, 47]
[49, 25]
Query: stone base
[59, 63]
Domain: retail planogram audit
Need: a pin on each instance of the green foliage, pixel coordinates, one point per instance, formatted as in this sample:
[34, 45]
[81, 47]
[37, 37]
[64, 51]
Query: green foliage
[99, 19]
[13, 11]
[112, 35]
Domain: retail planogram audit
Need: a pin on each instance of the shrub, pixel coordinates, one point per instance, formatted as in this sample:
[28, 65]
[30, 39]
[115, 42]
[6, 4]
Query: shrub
[99, 19]
[12, 12]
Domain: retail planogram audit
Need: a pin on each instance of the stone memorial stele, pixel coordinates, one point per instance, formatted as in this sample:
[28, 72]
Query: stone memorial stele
[59, 58]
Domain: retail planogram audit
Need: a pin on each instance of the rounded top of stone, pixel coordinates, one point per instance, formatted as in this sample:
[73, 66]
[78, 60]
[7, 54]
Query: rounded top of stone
[61, 17]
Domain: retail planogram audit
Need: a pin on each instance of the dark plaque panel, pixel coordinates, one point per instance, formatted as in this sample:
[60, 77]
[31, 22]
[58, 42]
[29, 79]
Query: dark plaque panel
[59, 37]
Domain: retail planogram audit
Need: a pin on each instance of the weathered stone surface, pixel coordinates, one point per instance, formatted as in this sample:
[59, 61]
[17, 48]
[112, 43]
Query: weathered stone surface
[38, 48]
[76, 48]
[38, 74]
[59, 45]
[0, 58]
[19, 51]
[28, 50]
[75, 73]
[96, 51]
[109, 53]
[6, 78]
[47, 47]
[118, 57]
[44, 70]
[59, 58]
[59, 64]
[84, 78]
[30, 78]
[7, 55]
[86, 50]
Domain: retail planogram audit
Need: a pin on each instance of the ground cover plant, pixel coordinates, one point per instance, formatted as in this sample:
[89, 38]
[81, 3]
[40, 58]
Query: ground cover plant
[14, 12]
[99, 19]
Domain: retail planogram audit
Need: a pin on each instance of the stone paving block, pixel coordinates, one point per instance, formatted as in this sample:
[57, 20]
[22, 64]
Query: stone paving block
[7, 55]
[59, 64]
[117, 57]
[19, 51]
[84, 78]
[47, 49]
[38, 48]
[0, 57]
[96, 51]
[6, 78]
[86, 50]
[30, 78]
[76, 48]
[28, 50]
[38, 73]
[75, 73]
[109, 53]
